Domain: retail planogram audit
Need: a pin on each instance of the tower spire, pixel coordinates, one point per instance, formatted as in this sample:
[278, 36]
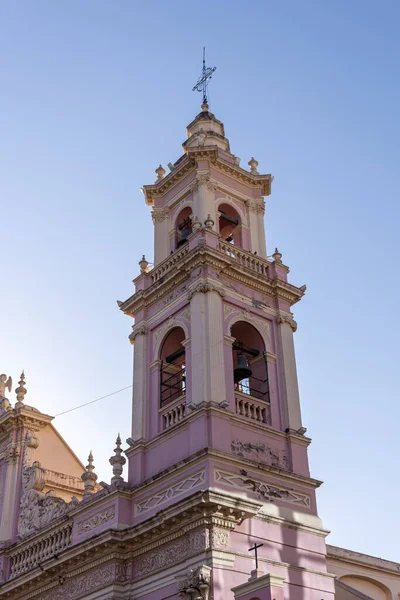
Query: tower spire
[202, 83]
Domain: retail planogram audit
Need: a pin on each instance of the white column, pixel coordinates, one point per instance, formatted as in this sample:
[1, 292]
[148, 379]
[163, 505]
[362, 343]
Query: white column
[139, 384]
[11, 488]
[262, 244]
[288, 371]
[198, 345]
[256, 210]
[215, 348]
[207, 346]
[204, 199]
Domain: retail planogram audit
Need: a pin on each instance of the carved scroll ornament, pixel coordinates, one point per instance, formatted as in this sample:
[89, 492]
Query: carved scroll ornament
[36, 508]
[196, 584]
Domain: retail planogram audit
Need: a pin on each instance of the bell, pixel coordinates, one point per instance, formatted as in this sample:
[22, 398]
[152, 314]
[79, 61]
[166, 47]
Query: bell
[186, 231]
[242, 369]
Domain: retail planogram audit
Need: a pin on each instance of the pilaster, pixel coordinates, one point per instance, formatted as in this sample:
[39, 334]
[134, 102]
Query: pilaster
[139, 340]
[288, 371]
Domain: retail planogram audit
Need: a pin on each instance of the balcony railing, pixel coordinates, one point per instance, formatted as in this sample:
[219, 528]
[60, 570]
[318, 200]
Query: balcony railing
[252, 409]
[32, 554]
[173, 414]
[168, 264]
[246, 259]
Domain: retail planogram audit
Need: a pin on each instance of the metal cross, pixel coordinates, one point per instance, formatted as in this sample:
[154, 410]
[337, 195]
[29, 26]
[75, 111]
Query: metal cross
[206, 74]
[255, 547]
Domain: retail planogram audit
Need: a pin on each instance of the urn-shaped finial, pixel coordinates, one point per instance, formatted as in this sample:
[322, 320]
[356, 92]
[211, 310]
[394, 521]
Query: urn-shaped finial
[160, 172]
[144, 265]
[196, 225]
[89, 477]
[117, 462]
[277, 256]
[253, 164]
[209, 223]
[20, 391]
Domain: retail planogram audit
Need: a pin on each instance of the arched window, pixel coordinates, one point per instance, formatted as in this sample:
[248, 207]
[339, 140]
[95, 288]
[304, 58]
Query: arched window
[183, 227]
[250, 370]
[229, 225]
[172, 369]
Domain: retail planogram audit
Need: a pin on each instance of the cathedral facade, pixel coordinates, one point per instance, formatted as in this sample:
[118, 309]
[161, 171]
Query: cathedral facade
[212, 497]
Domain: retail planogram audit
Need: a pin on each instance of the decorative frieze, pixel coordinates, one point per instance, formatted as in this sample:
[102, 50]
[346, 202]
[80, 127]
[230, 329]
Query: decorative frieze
[270, 492]
[261, 453]
[172, 553]
[96, 520]
[170, 493]
[84, 584]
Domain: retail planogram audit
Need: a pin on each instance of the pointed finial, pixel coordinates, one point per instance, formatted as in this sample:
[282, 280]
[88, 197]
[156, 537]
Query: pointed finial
[89, 477]
[160, 172]
[253, 164]
[196, 225]
[277, 256]
[144, 265]
[117, 461]
[21, 391]
[209, 223]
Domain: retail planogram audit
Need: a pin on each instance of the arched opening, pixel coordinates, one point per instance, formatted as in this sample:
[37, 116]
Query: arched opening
[172, 368]
[250, 370]
[230, 225]
[183, 226]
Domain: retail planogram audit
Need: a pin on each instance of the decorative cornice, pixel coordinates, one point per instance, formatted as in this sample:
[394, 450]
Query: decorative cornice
[282, 318]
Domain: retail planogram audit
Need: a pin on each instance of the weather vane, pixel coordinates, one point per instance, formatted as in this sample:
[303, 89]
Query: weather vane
[206, 74]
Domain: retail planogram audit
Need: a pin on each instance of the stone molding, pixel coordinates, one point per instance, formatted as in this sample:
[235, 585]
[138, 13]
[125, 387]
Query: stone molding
[204, 287]
[282, 318]
[96, 520]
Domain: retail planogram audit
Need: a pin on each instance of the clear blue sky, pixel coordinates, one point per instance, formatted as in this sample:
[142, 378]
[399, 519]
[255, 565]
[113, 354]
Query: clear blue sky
[95, 94]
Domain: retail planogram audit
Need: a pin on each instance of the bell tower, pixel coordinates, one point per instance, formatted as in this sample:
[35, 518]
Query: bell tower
[216, 418]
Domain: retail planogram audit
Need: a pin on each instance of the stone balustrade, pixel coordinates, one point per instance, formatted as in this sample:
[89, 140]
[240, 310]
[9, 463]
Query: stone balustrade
[30, 554]
[174, 413]
[168, 264]
[251, 408]
[246, 259]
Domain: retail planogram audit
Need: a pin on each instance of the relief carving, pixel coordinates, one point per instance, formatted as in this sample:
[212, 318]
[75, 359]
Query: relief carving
[71, 589]
[260, 452]
[281, 318]
[196, 584]
[172, 553]
[36, 508]
[204, 287]
[96, 520]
